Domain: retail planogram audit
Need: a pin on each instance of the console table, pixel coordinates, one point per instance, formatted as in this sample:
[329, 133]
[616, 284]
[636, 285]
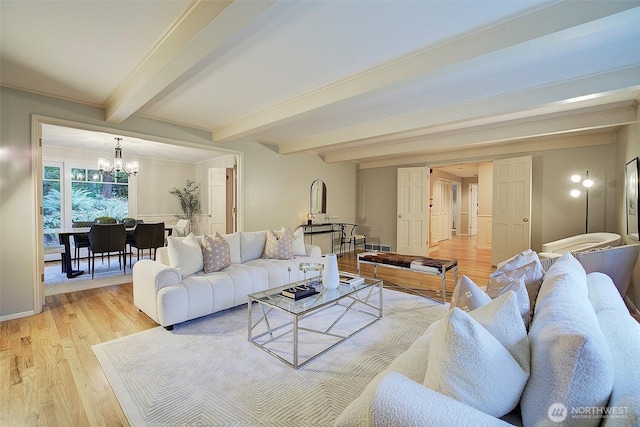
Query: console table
[331, 227]
[416, 264]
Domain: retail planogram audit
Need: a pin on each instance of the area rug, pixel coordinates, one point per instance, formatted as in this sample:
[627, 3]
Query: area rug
[206, 372]
[57, 282]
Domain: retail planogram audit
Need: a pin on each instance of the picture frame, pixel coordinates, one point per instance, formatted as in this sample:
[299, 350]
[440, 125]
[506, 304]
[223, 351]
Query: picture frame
[632, 191]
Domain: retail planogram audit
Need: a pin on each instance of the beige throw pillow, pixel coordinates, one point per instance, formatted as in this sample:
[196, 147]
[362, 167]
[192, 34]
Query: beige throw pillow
[468, 296]
[279, 248]
[216, 253]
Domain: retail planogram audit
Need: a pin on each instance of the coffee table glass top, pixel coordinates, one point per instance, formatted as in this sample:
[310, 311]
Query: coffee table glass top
[323, 297]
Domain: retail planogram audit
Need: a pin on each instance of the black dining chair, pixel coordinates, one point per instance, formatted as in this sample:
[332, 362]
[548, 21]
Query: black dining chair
[105, 220]
[107, 239]
[80, 240]
[148, 236]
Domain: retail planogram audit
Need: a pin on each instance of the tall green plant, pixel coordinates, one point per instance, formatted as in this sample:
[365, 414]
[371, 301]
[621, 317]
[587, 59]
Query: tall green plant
[189, 198]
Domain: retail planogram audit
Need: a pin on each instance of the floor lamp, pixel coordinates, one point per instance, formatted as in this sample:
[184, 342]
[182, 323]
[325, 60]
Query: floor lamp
[587, 183]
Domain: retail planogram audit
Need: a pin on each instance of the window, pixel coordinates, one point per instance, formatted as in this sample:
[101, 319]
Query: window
[72, 191]
[51, 201]
[94, 195]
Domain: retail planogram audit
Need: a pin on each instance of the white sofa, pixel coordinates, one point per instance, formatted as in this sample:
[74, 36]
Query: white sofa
[579, 243]
[582, 354]
[161, 291]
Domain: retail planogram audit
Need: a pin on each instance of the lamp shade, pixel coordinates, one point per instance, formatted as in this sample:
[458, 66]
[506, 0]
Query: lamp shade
[330, 275]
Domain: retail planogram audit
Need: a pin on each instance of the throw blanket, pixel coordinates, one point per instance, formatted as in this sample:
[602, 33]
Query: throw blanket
[407, 261]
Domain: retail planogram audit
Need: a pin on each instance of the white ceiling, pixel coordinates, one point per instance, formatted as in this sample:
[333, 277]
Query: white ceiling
[371, 82]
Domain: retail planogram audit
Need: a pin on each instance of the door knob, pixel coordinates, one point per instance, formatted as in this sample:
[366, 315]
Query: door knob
[525, 219]
[399, 216]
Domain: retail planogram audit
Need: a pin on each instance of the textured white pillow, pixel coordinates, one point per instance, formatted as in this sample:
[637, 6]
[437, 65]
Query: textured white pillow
[298, 242]
[501, 317]
[215, 253]
[233, 240]
[185, 255]
[252, 244]
[278, 248]
[468, 296]
[570, 360]
[470, 365]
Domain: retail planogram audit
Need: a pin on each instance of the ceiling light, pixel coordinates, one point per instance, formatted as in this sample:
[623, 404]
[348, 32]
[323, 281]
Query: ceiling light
[108, 168]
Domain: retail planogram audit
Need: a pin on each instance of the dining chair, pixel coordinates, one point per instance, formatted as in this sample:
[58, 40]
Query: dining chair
[148, 236]
[107, 239]
[352, 238]
[105, 220]
[80, 240]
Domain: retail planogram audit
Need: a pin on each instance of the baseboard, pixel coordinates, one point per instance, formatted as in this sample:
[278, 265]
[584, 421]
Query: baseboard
[17, 315]
[631, 305]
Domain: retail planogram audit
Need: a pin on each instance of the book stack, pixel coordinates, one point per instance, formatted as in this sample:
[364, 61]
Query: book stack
[350, 279]
[299, 292]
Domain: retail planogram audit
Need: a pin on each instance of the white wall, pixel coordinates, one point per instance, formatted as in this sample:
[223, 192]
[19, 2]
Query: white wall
[276, 187]
[554, 214]
[628, 147]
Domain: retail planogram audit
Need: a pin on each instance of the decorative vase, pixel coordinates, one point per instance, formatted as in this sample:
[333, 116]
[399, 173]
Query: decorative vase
[330, 275]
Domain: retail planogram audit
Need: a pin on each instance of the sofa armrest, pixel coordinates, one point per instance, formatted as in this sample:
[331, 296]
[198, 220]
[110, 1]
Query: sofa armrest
[149, 277]
[399, 401]
[313, 251]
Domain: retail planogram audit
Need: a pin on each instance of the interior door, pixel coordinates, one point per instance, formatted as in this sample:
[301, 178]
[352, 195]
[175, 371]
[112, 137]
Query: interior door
[473, 209]
[413, 211]
[217, 209]
[511, 207]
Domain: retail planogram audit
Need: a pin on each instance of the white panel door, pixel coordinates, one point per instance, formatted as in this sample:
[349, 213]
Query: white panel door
[511, 207]
[473, 209]
[217, 209]
[413, 211]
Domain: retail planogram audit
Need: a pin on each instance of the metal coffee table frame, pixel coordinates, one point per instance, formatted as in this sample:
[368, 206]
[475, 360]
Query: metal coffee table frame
[360, 297]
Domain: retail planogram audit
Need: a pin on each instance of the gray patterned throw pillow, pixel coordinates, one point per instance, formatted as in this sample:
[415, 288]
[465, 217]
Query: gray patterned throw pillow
[279, 248]
[215, 252]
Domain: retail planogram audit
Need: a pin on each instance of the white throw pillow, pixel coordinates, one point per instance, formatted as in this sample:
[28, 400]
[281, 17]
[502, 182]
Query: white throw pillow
[252, 244]
[501, 317]
[185, 255]
[233, 240]
[215, 253]
[470, 365]
[570, 360]
[298, 242]
[468, 296]
[278, 247]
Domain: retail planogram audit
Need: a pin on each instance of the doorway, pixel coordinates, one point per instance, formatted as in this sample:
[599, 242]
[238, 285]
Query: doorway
[87, 151]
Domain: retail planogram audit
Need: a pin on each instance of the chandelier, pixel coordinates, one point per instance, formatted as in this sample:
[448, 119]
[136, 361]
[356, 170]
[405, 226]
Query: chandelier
[108, 168]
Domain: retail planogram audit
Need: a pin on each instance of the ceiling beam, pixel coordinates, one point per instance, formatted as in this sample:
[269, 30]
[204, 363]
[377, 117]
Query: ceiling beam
[509, 131]
[202, 28]
[538, 22]
[578, 93]
[495, 151]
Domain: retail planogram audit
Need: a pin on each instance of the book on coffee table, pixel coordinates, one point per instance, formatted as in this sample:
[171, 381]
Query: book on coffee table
[299, 292]
[350, 279]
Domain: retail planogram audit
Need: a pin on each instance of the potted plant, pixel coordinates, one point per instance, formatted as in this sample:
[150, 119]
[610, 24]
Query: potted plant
[189, 200]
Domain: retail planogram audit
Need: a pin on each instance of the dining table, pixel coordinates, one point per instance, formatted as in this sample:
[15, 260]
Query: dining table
[64, 235]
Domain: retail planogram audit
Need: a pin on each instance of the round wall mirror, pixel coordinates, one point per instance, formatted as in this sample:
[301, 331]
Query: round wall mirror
[318, 197]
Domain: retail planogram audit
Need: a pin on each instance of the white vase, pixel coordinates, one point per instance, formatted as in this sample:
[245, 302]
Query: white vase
[330, 275]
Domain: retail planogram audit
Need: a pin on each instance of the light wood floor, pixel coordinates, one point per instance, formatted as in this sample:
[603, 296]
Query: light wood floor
[49, 375]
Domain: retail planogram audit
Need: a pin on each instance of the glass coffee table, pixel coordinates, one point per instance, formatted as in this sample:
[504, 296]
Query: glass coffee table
[296, 332]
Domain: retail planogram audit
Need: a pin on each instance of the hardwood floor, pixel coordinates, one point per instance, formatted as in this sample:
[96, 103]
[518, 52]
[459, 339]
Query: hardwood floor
[49, 375]
[474, 263]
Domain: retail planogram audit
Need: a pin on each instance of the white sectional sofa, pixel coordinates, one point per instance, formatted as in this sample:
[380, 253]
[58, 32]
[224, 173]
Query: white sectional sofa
[577, 365]
[168, 296]
[579, 243]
